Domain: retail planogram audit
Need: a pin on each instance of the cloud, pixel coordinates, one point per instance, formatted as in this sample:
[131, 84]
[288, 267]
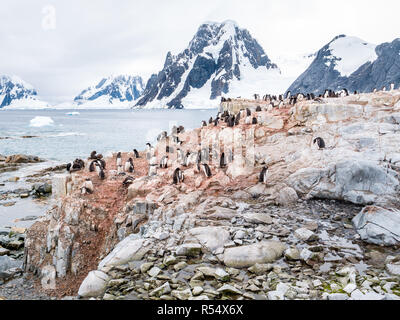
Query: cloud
[87, 40]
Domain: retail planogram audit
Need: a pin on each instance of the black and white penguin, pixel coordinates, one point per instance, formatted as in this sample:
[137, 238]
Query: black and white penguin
[203, 123]
[164, 162]
[288, 94]
[178, 176]
[254, 120]
[87, 187]
[216, 121]
[128, 180]
[263, 175]
[210, 120]
[258, 109]
[222, 160]
[129, 167]
[136, 153]
[206, 170]
[119, 160]
[326, 93]
[92, 166]
[100, 171]
[102, 162]
[320, 142]
[374, 90]
[248, 112]
[237, 119]
[162, 136]
[120, 170]
[384, 89]
[391, 86]
[186, 159]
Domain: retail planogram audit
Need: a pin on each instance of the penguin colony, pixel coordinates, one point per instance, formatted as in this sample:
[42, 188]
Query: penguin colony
[187, 158]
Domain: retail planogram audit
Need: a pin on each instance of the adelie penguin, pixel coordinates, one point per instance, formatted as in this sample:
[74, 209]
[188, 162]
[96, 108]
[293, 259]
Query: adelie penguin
[206, 170]
[93, 155]
[222, 160]
[178, 176]
[100, 171]
[320, 142]
[203, 123]
[254, 120]
[263, 175]
[76, 165]
[87, 187]
[136, 153]
[129, 167]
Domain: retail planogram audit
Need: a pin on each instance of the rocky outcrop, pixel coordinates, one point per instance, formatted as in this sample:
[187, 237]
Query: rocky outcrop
[378, 225]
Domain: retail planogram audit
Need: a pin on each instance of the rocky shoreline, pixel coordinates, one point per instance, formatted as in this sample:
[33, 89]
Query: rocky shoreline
[325, 225]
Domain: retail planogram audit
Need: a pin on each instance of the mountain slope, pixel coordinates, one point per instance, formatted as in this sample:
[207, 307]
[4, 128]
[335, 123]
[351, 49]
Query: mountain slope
[16, 93]
[113, 90]
[349, 62]
[220, 59]
[333, 64]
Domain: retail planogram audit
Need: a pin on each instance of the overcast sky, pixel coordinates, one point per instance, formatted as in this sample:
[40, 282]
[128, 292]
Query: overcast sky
[62, 47]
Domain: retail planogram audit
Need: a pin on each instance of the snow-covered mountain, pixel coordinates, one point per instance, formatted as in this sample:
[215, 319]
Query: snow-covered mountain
[113, 91]
[16, 93]
[349, 62]
[221, 60]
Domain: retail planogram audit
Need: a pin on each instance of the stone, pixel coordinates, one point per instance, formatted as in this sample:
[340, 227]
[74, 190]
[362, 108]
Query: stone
[197, 290]
[260, 268]
[229, 289]
[182, 294]
[144, 267]
[169, 260]
[287, 196]
[94, 284]
[393, 265]
[189, 250]
[350, 288]
[378, 225]
[180, 265]
[246, 256]
[48, 277]
[338, 296]
[4, 252]
[305, 234]
[211, 238]
[129, 249]
[358, 295]
[258, 218]
[292, 254]
[153, 272]
[162, 290]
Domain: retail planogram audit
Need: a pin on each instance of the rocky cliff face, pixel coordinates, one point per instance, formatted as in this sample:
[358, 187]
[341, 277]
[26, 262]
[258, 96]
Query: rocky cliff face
[218, 55]
[228, 227]
[349, 62]
[113, 89]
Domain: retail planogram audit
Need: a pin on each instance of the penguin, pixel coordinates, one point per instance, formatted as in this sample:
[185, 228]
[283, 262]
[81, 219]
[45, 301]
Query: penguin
[384, 89]
[87, 187]
[153, 161]
[248, 112]
[180, 129]
[178, 176]
[127, 181]
[100, 171]
[93, 155]
[320, 142]
[216, 121]
[231, 121]
[374, 90]
[258, 109]
[222, 161]
[288, 95]
[120, 170]
[92, 166]
[136, 153]
[254, 120]
[206, 170]
[355, 92]
[119, 160]
[69, 166]
[180, 155]
[248, 120]
[186, 159]
[164, 162]
[99, 156]
[102, 163]
[167, 149]
[162, 136]
[203, 123]
[210, 120]
[263, 175]
[129, 167]
[237, 119]
[326, 93]
[391, 86]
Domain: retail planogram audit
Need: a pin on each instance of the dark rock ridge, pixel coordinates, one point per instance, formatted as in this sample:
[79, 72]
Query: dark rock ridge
[121, 88]
[13, 88]
[217, 53]
[323, 72]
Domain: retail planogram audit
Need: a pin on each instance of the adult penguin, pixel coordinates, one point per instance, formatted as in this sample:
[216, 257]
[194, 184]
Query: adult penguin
[87, 187]
[136, 153]
[129, 167]
[263, 175]
[206, 170]
[222, 160]
[320, 142]
[178, 176]
[119, 160]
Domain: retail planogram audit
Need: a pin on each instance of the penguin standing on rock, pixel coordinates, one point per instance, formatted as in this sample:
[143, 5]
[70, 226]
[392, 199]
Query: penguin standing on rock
[100, 171]
[203, 123]
[129, 167]
[222, 160]
[178, 176]
[263, 175]
[164, 162]
[119, 160]
[87, 187]
[254, 120]
[136, 153]
[320, 142]
[206, 170]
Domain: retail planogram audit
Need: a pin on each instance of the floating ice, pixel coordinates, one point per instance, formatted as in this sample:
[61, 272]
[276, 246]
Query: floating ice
[73, 113]
[41, 122]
